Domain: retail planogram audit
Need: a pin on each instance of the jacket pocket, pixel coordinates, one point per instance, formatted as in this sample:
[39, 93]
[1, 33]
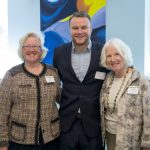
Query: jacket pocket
[18, 131]
[55, 127]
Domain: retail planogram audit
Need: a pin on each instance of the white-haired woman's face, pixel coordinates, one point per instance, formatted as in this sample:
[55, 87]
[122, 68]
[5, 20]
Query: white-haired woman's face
[114, 60]
[32, 50]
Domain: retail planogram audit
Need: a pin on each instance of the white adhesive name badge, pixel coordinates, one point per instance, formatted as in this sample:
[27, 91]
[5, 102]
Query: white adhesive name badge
[100, 75]
[133, 90]
[49, 79]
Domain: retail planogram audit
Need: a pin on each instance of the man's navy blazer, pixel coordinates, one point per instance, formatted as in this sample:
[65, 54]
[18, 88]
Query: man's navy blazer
[76, 94]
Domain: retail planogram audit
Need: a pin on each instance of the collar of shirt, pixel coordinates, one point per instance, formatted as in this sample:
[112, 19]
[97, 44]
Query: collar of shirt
[88, 49]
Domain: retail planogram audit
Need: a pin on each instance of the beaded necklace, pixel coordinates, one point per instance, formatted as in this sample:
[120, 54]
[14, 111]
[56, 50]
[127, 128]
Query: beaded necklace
[109, 87]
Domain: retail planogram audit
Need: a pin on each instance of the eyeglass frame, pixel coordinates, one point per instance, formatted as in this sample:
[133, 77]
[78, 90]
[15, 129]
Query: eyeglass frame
[28, 47]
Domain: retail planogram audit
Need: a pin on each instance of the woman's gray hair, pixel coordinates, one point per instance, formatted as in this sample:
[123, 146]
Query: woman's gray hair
[40, 37]
[122, 48]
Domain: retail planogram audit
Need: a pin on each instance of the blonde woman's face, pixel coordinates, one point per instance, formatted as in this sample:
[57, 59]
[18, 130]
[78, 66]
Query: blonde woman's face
[32, 50]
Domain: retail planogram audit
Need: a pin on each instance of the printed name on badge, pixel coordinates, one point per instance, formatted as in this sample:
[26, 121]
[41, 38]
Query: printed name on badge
[133, 90]
[100, 75]
[49, 79]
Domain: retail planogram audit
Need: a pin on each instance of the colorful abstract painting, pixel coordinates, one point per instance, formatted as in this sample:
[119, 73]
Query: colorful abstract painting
[55, 25]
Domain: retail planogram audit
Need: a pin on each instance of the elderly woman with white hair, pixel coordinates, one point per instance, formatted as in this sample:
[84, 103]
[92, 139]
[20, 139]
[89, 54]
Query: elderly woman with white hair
[125, 100]
[28, 113]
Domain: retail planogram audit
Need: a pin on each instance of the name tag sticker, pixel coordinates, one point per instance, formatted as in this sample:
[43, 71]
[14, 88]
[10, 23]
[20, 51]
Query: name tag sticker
[133, 90]
[49, 79]
[100, 75]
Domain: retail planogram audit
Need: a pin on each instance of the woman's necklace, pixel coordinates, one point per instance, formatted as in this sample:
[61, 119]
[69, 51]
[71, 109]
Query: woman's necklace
[118, 93]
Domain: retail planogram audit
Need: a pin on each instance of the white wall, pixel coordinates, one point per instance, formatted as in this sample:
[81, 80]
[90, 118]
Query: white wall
[23, 17]
[125, 19]
[147, 38]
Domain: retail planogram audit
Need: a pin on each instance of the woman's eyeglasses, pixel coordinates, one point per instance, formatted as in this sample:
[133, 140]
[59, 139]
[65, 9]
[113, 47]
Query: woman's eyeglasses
[29, 47]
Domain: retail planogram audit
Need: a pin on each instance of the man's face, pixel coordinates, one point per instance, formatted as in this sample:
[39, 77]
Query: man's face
[80, 28]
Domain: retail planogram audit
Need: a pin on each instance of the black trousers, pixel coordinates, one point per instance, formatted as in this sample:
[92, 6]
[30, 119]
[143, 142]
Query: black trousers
[53, 145]
[76, 139]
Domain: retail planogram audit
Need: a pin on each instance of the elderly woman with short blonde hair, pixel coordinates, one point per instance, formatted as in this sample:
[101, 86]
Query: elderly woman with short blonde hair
[28, 93]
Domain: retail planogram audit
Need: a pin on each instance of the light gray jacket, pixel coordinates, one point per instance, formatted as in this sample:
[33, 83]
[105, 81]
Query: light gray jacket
[133, 126]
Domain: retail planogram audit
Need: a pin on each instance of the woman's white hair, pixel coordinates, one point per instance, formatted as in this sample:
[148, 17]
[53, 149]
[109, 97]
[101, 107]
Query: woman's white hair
[40, 37]
[122, 48]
